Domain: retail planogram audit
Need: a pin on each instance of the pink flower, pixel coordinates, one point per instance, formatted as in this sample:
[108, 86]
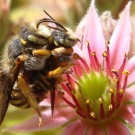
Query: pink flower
[99, 96]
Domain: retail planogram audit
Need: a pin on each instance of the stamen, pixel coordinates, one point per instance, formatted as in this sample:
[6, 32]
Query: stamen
[111, 90]
[117, 83]
[66, 89]
[98, 66]
[78, 70]
[92, 114]
[113, 101]
[72, 92]
[102, 112]
[121, 91]
[100, 100]
[110, 108]
[125, 72]
[87, 101]
[85, 64]
[115, 72]
[116, 79]
[70, 80]
[122, 66]
[108, 66]
[92, 62]
[69, 103]
[81, 114]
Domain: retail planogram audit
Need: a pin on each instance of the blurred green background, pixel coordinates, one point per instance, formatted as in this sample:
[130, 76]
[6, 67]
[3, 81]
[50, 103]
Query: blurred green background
[13, 13]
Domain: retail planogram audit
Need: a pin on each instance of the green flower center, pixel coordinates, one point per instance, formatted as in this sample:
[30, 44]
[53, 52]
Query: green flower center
[96, 91]
[94, 84]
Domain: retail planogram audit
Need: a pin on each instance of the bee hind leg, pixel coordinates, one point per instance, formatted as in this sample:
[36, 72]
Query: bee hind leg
[29, 96]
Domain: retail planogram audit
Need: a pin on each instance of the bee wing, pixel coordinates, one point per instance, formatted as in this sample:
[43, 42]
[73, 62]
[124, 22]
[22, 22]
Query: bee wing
[7, 80]
[5, 92]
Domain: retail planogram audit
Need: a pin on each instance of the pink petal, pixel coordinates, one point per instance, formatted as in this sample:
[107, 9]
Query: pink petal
[130, 66]
[78, 50]
[96, 130]
[129, 113]
[76, 128]
[93, 33]
[117, 128]
[120, 40]
[61, 116]
[129, 94]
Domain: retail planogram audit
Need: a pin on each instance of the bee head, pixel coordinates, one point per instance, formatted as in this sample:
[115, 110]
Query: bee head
[64, 38]
[60, 35]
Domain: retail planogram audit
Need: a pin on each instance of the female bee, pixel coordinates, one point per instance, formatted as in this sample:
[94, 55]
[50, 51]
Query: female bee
[32, 63]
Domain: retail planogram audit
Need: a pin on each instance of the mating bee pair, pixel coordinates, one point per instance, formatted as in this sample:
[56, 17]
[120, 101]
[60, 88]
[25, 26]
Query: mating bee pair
[32, 64]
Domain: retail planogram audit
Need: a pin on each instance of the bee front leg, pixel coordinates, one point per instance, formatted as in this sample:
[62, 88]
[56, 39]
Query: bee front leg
[64, 62]
[62, 51]
[29, 96]
[56, 72]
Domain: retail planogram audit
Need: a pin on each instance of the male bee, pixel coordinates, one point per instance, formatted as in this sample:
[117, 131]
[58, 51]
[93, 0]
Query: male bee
[32, 62]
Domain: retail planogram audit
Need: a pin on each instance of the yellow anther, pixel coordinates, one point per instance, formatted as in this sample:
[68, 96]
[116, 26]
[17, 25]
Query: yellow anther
[73, 92]
[100, 100]
[110, 107]
[121, 91]
[116, 79]
[92, 114]
[111, 90]
[104, 54]
[24, 42]
[93, 53]
[125, 72]
[87, 101]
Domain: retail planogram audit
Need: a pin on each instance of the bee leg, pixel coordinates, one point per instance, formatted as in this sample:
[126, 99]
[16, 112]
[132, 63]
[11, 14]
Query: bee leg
[52, 89]
[26, 92]
[64, 64]
[56, 72]
[63, 51]
[41, 52]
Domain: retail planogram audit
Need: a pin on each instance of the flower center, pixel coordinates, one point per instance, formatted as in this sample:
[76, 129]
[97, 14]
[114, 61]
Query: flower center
[93, 84]
[98, 90]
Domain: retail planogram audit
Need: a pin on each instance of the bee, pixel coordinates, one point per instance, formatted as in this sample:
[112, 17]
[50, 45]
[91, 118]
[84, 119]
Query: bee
[32, 63]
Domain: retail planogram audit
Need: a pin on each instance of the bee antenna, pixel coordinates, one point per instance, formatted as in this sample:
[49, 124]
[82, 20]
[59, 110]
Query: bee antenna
[49, 15]
[51, 21]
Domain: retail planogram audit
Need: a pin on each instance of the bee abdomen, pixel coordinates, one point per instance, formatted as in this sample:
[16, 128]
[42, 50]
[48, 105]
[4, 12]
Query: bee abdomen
[17, 99]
